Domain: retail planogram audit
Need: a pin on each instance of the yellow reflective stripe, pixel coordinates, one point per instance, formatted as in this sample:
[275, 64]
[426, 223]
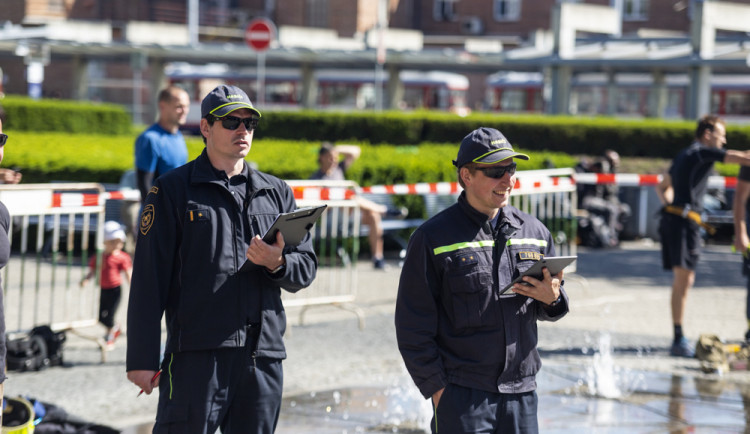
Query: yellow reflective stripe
[465, 245]
[171, 359]
[532, 241]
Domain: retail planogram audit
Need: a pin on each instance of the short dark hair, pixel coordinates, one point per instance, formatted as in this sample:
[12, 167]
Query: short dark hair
[325, 148]
[472, 168]
[707, 123]
[168, 93]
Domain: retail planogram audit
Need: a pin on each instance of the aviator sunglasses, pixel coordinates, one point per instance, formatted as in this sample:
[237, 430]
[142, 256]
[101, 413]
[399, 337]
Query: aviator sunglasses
[498, 172]
[3, 139]
[233, 122]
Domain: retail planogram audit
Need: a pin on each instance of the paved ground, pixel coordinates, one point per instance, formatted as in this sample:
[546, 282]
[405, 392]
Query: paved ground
[606, 367]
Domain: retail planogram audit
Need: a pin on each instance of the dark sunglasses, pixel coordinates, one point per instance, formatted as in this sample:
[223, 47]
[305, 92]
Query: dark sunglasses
[3, 139]
[233, 122]
[498, 172]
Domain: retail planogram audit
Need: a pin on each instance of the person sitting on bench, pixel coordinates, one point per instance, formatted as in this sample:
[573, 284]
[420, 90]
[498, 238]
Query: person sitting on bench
[333, 168]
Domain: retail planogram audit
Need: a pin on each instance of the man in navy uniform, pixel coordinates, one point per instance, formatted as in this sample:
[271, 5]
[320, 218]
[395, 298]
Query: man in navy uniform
[466, 345]
[200, 223]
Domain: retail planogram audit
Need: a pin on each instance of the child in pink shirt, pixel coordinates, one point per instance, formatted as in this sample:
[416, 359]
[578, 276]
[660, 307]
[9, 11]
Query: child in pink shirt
[115, 264]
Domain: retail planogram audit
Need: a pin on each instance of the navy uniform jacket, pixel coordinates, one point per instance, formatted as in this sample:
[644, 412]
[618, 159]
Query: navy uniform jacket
[452, 325]
[191, 246]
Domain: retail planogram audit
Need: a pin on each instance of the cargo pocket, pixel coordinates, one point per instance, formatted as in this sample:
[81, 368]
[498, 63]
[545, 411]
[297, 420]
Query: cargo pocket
[471, 294]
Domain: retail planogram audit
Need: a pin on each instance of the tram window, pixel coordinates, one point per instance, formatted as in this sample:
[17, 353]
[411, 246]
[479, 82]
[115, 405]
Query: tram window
[513, 100]
[675, 101]
[738, 103]
[588, 101]
[629, 101]
[338, 95]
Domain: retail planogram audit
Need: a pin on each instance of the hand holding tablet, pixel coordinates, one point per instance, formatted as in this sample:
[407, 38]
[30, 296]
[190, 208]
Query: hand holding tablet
[554, 264]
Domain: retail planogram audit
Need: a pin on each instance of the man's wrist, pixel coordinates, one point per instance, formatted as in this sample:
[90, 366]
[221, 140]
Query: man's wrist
[556, 302]
[279, 268]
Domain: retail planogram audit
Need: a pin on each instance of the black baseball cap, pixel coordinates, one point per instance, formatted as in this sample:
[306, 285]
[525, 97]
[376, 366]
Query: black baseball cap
[486, 146]
[225, 99]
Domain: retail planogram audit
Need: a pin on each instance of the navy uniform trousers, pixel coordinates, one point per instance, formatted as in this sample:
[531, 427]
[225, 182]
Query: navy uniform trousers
[202, 391]
[463, 410]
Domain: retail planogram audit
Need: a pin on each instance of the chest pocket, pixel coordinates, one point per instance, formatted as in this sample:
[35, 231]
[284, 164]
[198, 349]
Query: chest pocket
[200, 232]
[523, 256]
[470, 301]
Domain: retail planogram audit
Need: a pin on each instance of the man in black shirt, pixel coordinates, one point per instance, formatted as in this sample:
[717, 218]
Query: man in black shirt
[681, 191]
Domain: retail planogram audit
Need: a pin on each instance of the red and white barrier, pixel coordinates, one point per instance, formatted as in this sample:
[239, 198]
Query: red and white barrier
[69, 200]
[635, 180]
[524, 185]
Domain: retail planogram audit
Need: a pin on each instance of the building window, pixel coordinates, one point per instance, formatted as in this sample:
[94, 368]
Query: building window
[56, 6]
[316, 13]
[445, 10]
[635, 10]
[507, 10]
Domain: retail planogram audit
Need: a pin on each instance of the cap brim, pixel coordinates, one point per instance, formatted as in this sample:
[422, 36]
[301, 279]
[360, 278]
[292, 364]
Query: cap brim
[225, 109]
[499, 155]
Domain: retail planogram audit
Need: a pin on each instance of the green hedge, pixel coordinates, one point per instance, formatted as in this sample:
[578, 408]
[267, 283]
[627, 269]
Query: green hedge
[45, 157]
[26, 114]
[569, 134]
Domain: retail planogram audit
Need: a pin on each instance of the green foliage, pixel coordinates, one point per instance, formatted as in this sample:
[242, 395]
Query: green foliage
[45, 157]
[570, 134]
[387, 127]
[26, 114]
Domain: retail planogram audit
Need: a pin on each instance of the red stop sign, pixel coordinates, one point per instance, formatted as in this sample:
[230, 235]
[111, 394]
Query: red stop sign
[259, 34]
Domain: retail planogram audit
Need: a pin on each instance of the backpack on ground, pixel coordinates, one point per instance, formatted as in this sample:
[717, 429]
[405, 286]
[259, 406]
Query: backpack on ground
[39, 349]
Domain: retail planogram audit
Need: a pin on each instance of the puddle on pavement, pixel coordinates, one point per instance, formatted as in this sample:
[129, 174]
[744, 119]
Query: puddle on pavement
[592, 392]
[361, 410]
[656, 402]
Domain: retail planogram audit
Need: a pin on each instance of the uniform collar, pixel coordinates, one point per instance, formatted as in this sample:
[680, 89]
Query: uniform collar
[204, 172]
[507, 215]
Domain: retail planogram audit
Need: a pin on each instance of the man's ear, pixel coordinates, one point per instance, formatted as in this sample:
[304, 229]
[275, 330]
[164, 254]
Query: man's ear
[205, 127]
[465, 174]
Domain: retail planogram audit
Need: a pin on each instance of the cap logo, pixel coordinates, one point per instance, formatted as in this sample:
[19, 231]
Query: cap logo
[498, 141]
[234, 96]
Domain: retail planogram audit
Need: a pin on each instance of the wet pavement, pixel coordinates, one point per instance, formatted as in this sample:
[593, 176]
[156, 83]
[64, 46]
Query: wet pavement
[606, 365]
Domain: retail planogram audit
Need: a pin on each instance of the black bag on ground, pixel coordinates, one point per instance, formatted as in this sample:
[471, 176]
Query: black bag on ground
[37, 350]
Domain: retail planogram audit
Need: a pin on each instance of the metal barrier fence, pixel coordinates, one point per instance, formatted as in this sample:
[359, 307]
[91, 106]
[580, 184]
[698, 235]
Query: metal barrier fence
[51, 242]
[55, 228]
[550, 195]
[336, 243]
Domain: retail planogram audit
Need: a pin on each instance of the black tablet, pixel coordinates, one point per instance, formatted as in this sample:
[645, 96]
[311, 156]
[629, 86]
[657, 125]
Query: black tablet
[554, 264]
[294, 225]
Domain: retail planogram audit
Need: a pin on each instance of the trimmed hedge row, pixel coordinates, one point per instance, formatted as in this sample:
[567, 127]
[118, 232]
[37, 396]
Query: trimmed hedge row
[45, 157]
[26, 114]
[574, 135]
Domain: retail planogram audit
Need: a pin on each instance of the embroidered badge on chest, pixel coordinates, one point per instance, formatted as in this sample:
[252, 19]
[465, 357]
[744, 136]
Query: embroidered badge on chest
[529, 256]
